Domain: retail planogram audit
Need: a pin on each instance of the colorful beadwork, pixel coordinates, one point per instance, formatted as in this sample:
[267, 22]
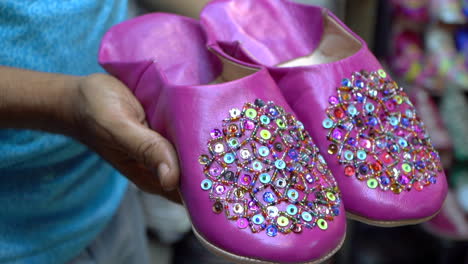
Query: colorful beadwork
[269, 175]
[374, 132]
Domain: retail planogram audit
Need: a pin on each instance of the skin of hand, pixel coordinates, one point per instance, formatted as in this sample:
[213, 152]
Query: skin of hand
[99, 111]
[110, 120]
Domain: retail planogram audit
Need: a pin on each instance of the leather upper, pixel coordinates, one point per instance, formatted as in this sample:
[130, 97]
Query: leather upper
[286, 30]
[163, 60]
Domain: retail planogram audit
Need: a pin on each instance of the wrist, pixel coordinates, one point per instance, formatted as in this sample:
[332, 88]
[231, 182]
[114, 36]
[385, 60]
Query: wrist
[84, 103]
[63, 108]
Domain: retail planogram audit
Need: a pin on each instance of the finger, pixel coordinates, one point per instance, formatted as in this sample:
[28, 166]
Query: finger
[144, 179]
[152, 150]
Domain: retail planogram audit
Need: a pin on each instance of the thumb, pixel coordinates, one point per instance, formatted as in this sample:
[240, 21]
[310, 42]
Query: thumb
[152, 150]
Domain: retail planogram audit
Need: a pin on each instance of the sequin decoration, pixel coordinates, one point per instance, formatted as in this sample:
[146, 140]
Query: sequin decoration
[263, 172]
[375, 134]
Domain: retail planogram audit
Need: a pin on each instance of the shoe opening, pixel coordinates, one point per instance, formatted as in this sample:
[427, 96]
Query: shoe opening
[277, 33]
[336, 44]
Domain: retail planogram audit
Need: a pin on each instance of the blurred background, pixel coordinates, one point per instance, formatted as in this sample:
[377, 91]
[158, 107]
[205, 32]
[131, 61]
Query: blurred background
[424, 43]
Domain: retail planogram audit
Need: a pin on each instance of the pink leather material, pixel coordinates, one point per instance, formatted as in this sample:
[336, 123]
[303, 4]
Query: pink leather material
[262, 37]
[450, 222]
[180, 104]
[308, 88]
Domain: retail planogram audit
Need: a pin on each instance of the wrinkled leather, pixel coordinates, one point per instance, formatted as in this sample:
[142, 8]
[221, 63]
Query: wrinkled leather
[164, 61]
[263, 32]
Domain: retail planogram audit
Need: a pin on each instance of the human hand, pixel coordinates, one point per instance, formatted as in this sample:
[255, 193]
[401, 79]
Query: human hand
[110, 120]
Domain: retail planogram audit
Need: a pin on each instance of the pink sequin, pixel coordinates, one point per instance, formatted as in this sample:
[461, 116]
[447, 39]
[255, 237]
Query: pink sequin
[249, 125]
[242, 223]
[215, 133]
[365, 143]
[245, 179]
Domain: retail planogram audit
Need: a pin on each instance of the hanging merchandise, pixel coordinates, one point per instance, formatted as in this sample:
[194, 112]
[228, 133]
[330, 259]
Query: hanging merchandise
[416, 10]
[448, 11]
[454, 108]
[441, 49]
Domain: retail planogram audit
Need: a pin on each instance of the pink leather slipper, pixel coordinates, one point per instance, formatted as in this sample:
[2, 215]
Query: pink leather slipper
[253, 182]
[362, 121]
[451, 223]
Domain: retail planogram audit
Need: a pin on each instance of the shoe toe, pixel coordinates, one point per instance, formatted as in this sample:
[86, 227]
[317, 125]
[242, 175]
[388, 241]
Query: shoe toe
[388, 208]
[270, 245]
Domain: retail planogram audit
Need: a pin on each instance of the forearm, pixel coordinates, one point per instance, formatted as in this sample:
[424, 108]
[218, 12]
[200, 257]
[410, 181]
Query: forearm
[35, 100]
[98, 110]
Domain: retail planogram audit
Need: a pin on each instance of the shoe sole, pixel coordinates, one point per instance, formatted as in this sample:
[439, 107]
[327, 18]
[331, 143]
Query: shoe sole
[389, 223]
[245, 260]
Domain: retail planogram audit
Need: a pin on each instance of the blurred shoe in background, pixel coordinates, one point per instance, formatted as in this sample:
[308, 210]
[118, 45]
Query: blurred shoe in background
[454, 109]
[451, 223]
[165, 219]
[448, 11]
[415, 10]
[430, 114]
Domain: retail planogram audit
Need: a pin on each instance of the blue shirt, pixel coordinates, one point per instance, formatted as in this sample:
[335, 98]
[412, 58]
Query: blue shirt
[55, 194]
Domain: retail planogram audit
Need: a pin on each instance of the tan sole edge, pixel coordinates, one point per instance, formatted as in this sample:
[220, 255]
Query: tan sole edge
[245, 260]
[389, 223]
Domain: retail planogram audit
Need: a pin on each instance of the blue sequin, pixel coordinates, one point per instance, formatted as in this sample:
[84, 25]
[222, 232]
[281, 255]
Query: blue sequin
[384, 180]
[351, 141]
[293, 154]
[372, 121]
[405, 121]
[393, 121]
[229, 158]
[327, 123]
[349, 155]
[321, 159]
[352, 110]
[293, 194]
[336, 211]
[264, 151]
[363, 169]
[359, 84]
[419, 165]
[403, 142]
[361, 154]
[409, 113]
[258, 219]
[346, 82]
[273, 111]
[369, 107]
[279, 164]
[306, 216]
[394, 148]
[291, 209]
[268, 197]
[380, 144]
[359, 97]
[347, 126]
[272, 230]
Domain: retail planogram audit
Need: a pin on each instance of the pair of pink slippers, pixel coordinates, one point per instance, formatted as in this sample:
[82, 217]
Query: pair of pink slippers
[282, 120]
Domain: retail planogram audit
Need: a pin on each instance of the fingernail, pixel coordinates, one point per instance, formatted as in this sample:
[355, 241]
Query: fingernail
[163, 169]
